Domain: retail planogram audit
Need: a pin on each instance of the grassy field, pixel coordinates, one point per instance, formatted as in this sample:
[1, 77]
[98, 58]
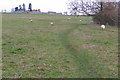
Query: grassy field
[68, 49]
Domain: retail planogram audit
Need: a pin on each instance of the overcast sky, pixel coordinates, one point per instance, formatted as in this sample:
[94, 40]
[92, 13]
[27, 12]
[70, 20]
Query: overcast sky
[43, 5]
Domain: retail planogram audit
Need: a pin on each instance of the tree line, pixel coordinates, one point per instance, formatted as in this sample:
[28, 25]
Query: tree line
[22, 7]
[102, 12]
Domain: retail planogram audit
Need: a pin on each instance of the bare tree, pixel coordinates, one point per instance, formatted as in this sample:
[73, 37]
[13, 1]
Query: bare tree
[74, 7]
[20, 7]
[119, 13]
[108, 15]
[30, 7]
[23, 6]
[80, 6]
[87, 7]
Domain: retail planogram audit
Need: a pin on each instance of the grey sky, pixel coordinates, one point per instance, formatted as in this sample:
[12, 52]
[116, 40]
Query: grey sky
[43, 5]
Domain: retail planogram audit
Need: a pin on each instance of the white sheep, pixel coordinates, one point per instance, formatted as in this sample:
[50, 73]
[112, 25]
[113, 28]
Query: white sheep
[51, 23]
[102, 26]
[31, 20]
[80, 20]
[69, 18]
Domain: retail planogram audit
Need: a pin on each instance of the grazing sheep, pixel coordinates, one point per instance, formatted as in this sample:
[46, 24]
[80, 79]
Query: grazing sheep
[102, 26]
[51, 23]
[69, 18]
[80, 20]
[31, 20]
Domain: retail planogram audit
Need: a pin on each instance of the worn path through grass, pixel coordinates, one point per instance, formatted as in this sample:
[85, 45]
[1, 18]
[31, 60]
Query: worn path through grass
[82, 58]
[68, 49]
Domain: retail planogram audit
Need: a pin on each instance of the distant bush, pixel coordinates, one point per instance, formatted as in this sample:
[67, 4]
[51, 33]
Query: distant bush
[119, 14]
[109, 15]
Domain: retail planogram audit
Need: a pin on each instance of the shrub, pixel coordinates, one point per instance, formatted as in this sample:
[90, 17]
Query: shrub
[109, 15]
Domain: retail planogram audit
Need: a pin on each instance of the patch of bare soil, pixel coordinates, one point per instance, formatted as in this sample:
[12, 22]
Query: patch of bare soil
[88, 45]
[70, 47]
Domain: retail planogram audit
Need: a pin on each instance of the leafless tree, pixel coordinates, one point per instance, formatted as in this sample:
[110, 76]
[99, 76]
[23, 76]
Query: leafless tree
[74, 7]
[86, 6]
[81, 6]
[119, 13]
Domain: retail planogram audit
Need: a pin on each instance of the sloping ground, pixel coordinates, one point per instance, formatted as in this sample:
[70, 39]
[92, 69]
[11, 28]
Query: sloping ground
[92, 50]
[68, 49]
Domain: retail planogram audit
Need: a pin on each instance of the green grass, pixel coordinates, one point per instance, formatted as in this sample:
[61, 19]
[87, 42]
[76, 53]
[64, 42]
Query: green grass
[67, 49]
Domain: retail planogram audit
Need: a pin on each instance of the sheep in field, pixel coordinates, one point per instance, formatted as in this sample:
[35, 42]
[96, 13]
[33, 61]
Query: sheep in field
[102, 26]
[51, 23]
[69, 18]
[31, 20]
